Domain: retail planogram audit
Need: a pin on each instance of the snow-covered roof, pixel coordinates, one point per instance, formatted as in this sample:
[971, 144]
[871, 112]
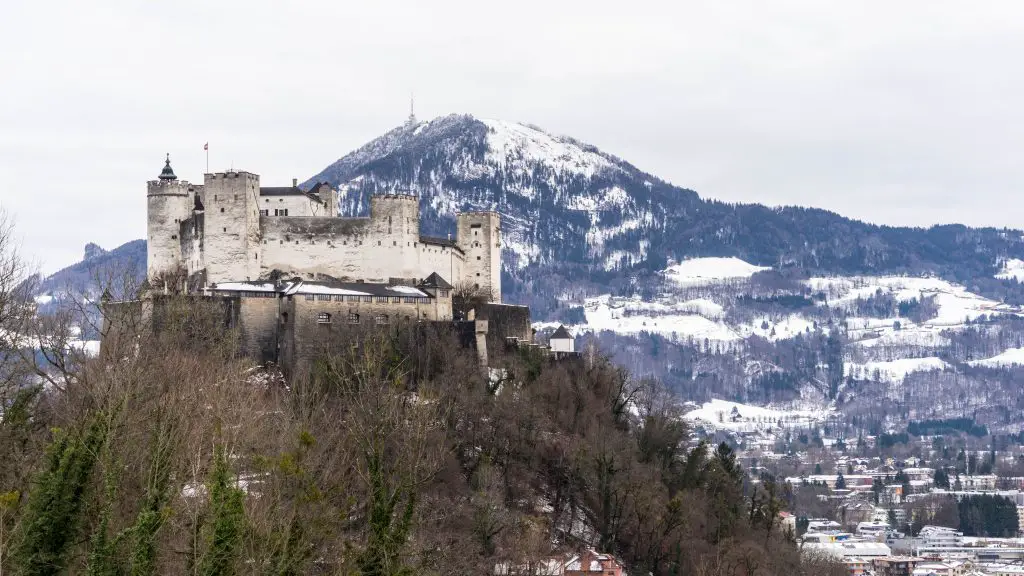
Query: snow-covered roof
[322, 288]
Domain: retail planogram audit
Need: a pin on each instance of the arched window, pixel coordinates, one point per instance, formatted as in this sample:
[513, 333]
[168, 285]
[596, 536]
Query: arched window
[323, 318]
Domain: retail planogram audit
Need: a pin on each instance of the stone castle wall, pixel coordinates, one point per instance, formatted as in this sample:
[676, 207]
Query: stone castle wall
[305, 334]
[350, 248]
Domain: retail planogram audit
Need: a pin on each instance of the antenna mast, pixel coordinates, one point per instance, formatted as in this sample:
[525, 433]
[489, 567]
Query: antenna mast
[412, 109]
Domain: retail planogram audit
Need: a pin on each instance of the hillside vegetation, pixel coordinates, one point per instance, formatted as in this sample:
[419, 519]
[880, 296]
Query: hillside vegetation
[170, 454]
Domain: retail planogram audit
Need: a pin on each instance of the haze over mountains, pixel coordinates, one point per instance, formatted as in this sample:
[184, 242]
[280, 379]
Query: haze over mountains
[787, 295]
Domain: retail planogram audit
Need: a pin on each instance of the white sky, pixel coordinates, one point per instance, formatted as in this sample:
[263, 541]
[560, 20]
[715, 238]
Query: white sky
[904, 112]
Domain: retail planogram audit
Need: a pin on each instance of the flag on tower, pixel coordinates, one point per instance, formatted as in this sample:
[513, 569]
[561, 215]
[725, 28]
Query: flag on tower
[206, 146]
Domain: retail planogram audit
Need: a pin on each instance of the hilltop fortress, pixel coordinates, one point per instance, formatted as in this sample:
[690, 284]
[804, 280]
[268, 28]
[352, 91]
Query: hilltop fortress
[230, 229]
[290, 270]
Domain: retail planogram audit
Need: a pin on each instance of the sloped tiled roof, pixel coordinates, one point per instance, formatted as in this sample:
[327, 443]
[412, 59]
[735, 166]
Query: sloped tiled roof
[561, 334]
[435, 281]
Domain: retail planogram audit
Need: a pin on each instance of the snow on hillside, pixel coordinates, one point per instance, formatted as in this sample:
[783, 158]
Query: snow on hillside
[893, 371]
[704, 271]
[700, 319]
[1012, 269]
[677, 322]
[725, 415]
[510, 144]
[955, 304]
[772, 329]
[1011, 357]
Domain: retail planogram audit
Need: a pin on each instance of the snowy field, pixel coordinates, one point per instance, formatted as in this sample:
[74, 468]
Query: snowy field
[705, 271]
[1011, 357]
[893, 371]
[1012, 269]
[725, 415]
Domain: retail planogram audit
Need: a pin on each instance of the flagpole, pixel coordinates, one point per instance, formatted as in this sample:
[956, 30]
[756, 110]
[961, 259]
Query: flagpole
[207, 149]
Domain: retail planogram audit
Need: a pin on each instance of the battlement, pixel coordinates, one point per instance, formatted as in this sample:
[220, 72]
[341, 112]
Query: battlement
[396, 196]
[162, 187]
[230, 174]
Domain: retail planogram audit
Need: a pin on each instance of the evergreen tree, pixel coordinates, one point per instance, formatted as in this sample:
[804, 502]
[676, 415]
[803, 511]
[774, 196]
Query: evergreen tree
[53, 512]
[226, 520]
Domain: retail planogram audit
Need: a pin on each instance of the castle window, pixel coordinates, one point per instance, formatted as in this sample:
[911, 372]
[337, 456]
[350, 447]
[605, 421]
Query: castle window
[380, 319]
[309, 297]
[323, 318]
[378, 242]
[442, 293]
[394, 242]
[174, 236]
[225, 229]
[264, 212]
[353, 318]
[477, 257]
[477, 273]
[221, 209]
[475, 232]
[266, 200]
[382, 299]
[476, 286]
[284, 317]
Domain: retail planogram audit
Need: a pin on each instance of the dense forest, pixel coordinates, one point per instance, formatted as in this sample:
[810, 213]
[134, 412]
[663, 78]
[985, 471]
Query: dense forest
[168, 453]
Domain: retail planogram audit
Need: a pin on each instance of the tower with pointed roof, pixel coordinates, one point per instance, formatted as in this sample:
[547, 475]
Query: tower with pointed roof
[169, 204]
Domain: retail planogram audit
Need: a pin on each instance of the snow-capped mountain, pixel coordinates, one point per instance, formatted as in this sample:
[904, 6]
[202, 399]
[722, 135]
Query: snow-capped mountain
[561, 201]
[578, 220]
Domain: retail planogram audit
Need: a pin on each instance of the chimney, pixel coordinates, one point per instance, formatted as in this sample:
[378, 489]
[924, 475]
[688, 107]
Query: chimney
[295, 182]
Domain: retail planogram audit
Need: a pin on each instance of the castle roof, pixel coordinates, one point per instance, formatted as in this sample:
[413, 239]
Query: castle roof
[435, 281]
[282, 191]
[439, 242]
[561, 334]
[323, 287]
[167, 173]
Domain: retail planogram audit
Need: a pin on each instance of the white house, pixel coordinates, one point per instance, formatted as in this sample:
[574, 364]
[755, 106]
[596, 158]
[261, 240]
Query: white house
[562, 341]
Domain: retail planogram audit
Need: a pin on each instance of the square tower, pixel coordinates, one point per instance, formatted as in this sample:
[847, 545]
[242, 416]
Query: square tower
[231, 229]
[479, 238]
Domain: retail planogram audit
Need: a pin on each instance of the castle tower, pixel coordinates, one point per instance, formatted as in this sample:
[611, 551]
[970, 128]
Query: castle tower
[168, 204]
[479, 237]
[395, 217]
[231, 226]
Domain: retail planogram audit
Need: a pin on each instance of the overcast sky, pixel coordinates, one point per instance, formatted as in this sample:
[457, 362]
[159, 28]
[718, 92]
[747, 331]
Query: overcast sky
[904, 112]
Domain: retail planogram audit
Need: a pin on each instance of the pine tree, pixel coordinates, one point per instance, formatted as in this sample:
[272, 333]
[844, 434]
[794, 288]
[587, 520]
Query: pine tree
[53, 512]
